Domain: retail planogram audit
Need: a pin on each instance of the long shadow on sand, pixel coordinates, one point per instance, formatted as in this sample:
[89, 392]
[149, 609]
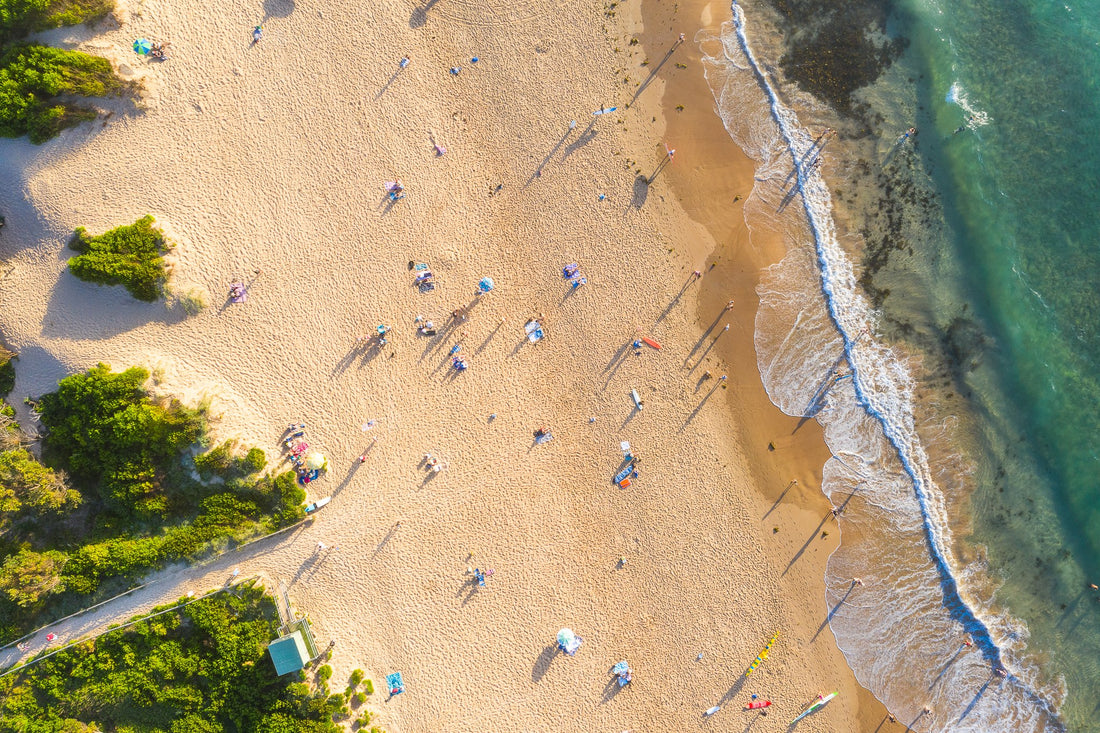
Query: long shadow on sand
[832, 611]
[653, 73]
[277, 9]
[420, 14]
[813, 536]
[542, 664]
[80, 310]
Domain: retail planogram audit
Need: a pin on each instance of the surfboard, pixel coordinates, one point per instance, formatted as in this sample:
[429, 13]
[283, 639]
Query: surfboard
[815, 707]
[651, 342]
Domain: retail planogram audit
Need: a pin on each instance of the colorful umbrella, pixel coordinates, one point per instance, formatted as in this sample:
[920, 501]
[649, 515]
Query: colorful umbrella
[143, 46]
[315, 461]
[485, 284]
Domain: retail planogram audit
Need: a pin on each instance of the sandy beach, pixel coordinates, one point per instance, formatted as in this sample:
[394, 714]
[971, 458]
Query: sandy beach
[266, 164]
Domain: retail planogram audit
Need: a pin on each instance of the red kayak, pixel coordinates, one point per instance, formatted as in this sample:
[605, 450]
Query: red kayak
[757, 705]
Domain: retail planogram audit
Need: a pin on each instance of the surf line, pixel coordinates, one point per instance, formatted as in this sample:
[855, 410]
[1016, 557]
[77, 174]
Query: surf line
[909, 452]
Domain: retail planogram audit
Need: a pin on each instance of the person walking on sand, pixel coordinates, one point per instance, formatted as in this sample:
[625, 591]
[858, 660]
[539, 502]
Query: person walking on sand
[257, 34]
[404, 62]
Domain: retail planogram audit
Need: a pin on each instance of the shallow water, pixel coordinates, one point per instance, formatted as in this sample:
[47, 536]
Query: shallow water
[962, 467]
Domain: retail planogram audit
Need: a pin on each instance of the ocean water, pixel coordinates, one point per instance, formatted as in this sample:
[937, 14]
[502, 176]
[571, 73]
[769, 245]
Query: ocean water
[936, 313]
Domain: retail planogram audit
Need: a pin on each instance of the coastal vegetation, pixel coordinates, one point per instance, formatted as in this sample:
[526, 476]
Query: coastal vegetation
[18, 18]
[200, 667]
[122, 489]
[39, 84]
[127, 255]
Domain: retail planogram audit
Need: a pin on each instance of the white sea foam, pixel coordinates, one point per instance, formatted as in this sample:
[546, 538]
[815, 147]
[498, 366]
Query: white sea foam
[902, 630]
[975, 117]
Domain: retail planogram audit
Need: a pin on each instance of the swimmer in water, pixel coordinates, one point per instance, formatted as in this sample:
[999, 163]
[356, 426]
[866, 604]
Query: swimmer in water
[960, 128]
[910, 132]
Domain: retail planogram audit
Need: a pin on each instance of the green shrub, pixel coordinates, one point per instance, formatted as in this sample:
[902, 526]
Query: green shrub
[360, 698]
[127, 255]
[356, 677]
[20, 17]
[36, 86]
[201, 668]
[254, 461]
[216, 461]
[125, 450]
[107, 431]
[27, 485]
[7, 372]
[26, 577]
[368, 687]
[324, 674]
[221, 462]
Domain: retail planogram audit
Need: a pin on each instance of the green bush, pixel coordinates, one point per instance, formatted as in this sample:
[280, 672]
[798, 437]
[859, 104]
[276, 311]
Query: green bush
[139, 507]
[7, 372]
[221, 462]
[216, 461]
[36, 86]
[356, 677]
[107, 431]
[127, 255]
[324, 674]
[368, 687]
[200, 668]
[27, 485]
[21, 17]
[254, 461]
[360, 698]
[27, 577]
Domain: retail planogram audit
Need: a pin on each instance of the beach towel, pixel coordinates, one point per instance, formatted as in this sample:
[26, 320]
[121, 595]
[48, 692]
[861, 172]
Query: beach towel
[396, 684]
[534, 331]
[544, 438]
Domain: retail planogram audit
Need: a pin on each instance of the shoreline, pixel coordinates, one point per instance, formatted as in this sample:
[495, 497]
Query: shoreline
[710, 172]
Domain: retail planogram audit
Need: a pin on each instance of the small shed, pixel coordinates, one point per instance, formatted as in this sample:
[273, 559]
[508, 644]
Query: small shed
[289, 653]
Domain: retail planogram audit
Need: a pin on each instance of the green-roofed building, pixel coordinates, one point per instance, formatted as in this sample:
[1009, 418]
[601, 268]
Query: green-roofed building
[289, 653]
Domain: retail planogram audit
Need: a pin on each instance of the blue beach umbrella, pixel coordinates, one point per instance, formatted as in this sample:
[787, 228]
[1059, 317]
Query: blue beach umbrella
[143, 46]
[485, 284]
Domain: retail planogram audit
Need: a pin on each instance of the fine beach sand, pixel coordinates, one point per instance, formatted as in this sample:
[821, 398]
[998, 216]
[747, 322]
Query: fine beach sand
[272, 158]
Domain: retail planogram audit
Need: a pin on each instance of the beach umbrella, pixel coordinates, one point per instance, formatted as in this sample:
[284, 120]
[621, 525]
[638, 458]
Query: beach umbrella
[315, 461]
[485, 284]
[566, 637]
[143, 46]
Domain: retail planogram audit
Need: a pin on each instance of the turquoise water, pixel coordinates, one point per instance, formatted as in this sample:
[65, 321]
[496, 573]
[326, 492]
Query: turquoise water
[964, 440]
[1019, 192]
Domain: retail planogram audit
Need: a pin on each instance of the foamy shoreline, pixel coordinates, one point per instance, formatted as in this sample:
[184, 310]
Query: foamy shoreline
[262, 163]
[855, 418]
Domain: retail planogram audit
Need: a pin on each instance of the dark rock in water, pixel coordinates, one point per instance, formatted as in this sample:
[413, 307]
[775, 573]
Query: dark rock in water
[833, 48]
[965, 344]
